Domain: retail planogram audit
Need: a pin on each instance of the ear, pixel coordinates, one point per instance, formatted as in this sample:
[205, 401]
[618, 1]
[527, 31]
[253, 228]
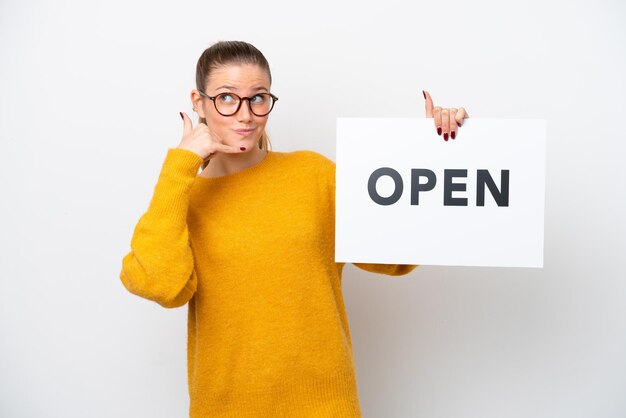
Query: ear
[197, 102]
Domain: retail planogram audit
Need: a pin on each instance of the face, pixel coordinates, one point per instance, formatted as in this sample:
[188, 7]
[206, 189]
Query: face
[244, 128]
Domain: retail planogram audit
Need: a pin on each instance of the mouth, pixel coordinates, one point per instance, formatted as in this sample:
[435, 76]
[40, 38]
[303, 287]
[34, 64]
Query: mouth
[245, 132]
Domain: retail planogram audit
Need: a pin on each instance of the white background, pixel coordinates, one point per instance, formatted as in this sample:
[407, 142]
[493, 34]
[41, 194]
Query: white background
[89, 100]
[429, 233]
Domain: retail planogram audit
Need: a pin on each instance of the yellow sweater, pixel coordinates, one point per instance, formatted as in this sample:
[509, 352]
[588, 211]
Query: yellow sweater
[253, 255]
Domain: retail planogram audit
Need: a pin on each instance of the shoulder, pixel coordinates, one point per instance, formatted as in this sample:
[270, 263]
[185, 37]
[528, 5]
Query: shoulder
[306, 161]
[307, 170]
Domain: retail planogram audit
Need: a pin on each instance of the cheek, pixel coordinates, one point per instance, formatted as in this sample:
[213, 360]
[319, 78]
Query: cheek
[216, 122]
[262, 122]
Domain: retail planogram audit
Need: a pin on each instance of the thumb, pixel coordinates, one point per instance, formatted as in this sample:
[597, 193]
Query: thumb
[187, 124]
[429, 104]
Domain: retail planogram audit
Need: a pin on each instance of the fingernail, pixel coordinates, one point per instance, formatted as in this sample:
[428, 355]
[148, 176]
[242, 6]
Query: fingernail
[438, 131]
[445, 136]
[424, 94]
[452, 134]
[242, 148]
[181, 116]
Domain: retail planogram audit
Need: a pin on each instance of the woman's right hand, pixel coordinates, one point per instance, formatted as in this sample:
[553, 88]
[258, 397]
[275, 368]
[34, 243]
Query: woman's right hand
[201, 140]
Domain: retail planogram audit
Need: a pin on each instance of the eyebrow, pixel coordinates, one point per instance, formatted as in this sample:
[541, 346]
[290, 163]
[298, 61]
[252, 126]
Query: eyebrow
[235, 88]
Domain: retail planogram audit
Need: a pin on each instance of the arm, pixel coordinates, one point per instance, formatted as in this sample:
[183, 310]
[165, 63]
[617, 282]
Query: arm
[388, 269]
[447, 120]
[160, 265]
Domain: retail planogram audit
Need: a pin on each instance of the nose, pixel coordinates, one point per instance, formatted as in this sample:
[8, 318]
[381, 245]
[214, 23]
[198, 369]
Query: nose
[244, 114]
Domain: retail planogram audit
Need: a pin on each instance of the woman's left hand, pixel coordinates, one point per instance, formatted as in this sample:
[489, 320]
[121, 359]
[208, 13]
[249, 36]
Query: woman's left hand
[447, 120]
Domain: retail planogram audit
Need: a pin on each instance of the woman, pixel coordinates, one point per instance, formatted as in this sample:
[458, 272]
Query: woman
[249, 244]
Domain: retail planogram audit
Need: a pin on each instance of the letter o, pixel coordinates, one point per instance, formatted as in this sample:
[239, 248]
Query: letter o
[371, 186]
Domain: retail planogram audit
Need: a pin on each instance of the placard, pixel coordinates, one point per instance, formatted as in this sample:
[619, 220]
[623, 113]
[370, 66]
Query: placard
[406, 196]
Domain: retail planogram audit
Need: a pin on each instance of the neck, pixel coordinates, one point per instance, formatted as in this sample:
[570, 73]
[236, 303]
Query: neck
[223, 164]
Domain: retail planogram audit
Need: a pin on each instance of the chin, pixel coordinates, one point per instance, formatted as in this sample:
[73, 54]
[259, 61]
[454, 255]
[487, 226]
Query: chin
[250, 142]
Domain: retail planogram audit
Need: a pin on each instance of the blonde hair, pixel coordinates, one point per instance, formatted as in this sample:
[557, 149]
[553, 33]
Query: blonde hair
[226, 53]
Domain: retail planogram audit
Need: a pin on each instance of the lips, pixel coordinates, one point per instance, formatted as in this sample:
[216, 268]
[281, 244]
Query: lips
[244, 132]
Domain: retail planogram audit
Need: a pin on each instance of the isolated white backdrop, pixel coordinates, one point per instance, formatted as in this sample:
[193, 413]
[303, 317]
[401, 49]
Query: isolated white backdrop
[89, 100]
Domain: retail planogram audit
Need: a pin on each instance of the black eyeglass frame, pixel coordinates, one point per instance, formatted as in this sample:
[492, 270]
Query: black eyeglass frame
[241, 99]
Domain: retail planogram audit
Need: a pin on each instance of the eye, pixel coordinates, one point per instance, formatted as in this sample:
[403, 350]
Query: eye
[259, 98]
[227, 98]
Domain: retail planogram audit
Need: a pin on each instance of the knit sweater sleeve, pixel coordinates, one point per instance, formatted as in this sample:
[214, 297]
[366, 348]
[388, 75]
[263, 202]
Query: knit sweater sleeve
[160, 265]
[388, 269]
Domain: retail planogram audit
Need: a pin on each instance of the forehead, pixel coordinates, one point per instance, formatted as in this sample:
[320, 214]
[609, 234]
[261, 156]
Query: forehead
[238, 76]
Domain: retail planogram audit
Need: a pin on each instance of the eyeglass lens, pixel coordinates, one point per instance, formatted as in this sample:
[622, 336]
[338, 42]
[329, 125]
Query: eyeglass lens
[228, 103]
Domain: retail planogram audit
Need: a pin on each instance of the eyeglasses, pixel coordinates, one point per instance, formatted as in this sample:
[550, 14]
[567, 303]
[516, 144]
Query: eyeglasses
[227, 104]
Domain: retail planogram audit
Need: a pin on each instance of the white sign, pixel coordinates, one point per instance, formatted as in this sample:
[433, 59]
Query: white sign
[406, 196]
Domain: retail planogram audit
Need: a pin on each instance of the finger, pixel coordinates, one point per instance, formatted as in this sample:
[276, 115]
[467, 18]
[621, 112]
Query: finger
[187, 124]
[214, 137]
[429, 104]
[445, 123]
[209, 156]
[437, 116]
[453, 124]
[460, 115]
[220, 146]
[228, 148]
